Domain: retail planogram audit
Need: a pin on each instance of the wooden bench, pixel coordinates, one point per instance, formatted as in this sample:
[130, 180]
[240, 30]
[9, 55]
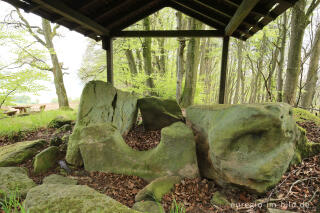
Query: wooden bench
[10, 113]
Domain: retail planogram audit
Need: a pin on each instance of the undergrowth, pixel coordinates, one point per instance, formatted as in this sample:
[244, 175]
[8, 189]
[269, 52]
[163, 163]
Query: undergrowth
[12, 126]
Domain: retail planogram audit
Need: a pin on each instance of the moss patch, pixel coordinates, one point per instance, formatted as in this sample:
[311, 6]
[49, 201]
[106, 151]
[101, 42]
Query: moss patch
[302, 115]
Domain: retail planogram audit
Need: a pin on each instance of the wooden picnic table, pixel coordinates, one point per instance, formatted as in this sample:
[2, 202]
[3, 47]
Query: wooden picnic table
[22, 109]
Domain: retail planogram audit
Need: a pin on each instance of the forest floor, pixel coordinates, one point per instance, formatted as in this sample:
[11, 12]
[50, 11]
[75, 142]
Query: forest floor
[299, 189]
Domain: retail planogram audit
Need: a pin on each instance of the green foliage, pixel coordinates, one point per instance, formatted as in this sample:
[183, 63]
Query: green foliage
[177, 207]
[12, 203]
[21, 71]
[17, 125]
[302, 115]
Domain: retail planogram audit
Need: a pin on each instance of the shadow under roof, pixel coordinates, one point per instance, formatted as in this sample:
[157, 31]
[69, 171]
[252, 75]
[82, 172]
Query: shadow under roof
[98, 18]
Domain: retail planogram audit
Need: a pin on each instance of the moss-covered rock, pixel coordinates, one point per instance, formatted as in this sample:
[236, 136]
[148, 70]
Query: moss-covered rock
[304, 148]
[14, 154]
[159, 113]
[103, 149]
[101, 102]
[46, 159]
[248, 146]
[219, 199]
[155, 190]
[148, 207]
[61, 198]
[59, 121]
[64, 128]
[55, 141]
[58, 179]
[302, 115]
[14, 180]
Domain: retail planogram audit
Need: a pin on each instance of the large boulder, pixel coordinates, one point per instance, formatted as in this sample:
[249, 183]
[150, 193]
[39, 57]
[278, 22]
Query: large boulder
[57, 198]
[103, 149]
[250, 146]
[46, 159]
[101, 102]
[14, 180]
[14, 154]
[159, 113]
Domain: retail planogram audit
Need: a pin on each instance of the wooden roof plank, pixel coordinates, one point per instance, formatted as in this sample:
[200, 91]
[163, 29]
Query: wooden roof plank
[137, 15]
[62, 9]
[242, 12]
[204, 19]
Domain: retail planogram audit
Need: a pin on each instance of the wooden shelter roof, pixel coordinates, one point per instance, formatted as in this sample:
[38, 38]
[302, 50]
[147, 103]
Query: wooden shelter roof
[99, 18]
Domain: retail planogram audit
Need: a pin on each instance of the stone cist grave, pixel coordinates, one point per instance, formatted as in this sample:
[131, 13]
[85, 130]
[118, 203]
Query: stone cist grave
[249, 146]
[246, 146]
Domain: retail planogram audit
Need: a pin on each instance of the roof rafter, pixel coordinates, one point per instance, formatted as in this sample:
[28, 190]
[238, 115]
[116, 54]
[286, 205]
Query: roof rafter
[242, 12]
[62, 9]
[136, 15]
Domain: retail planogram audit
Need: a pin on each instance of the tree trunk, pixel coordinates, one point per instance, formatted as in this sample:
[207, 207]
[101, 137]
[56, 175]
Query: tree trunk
[57, 72]
[138, 53]
[239, 72]
[294, 55]
[131, 62]
[180, 57]
[312, 76]
[147, 54]
[189, 90]
[282, 54]
[162, 61]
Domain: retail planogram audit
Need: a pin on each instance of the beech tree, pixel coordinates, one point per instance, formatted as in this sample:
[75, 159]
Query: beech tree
[44, 35]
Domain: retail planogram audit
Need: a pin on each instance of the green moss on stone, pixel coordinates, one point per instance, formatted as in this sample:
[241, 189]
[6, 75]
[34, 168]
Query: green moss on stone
[148, 207]
[46, 159]
[58, 179]
[103, 149]
[157, 188]
[17, 153]
[14, 179]
[245, 145]
[61, 198]
[158, 113]
[219, 199]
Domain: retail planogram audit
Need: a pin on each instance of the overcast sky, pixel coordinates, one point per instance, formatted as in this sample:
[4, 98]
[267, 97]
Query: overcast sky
[70, 49]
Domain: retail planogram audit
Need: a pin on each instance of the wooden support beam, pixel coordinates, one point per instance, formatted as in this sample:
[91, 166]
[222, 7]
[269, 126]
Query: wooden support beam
[242, 12]
[107, 44]
[224, 68]
[170, 33]
[62, 9]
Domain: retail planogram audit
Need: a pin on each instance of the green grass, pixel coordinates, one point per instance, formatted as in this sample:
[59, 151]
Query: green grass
[15, 125]
[302, 115]
[177, 207]
[12, 203]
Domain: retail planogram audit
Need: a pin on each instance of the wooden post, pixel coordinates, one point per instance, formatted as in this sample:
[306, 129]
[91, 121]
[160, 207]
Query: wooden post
[224, 66]
[108, 46]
